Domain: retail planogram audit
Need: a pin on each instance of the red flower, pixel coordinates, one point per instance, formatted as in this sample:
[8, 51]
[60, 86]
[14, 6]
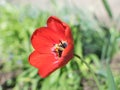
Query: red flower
[53, 46]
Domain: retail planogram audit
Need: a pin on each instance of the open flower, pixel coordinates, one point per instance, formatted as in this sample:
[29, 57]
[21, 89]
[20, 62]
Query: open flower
[53, 46]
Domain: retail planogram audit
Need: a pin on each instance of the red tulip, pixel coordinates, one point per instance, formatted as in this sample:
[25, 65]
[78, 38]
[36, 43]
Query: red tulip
[53, 46]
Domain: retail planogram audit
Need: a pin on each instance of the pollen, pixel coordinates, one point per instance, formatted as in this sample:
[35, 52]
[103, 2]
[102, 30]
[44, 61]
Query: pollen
[59, 48]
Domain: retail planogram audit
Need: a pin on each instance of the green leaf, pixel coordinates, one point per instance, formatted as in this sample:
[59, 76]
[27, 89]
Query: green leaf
[110, 79]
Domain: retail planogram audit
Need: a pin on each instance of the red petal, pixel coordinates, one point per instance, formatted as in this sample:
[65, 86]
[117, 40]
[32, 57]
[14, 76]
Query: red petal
[68, 34]
[62, 28]
[65, 59]
[43, 39]
[68, 52]
[55, 24]
[46, 63]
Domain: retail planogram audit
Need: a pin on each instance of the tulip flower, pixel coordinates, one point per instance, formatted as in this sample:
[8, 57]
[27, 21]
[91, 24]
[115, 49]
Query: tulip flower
[53, 46]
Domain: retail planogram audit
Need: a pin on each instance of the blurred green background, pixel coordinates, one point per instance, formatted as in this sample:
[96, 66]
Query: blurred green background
[96, 40]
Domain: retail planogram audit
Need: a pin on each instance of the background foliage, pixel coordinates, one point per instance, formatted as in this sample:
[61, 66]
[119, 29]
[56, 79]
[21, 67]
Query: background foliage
[94, 41]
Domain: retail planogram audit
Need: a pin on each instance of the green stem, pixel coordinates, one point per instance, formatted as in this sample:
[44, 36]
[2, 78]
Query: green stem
[92, 72]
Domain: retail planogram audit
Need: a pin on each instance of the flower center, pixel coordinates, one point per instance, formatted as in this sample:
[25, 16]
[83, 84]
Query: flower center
[58, 48]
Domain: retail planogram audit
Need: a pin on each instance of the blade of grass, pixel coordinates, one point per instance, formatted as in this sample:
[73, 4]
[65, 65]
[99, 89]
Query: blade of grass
[108, 9]
[92, 72]
[110, 79]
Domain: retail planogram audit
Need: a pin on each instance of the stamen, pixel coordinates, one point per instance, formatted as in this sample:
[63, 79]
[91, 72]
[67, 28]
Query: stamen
[58, 48]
